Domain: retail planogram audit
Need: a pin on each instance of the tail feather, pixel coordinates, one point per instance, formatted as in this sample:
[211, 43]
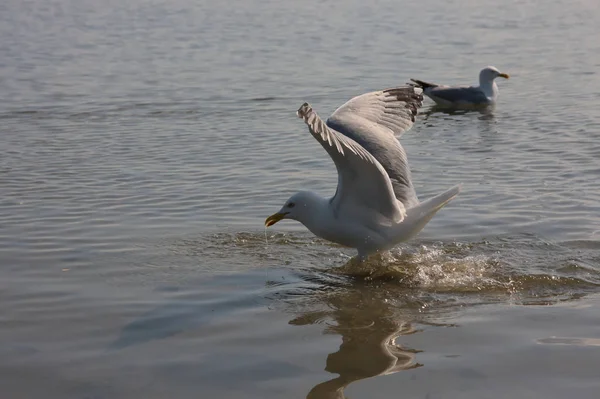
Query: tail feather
[439, 201]
[423, 84]
[418, 216]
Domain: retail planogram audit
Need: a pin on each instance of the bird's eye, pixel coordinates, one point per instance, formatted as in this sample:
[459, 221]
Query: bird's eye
[291, 205]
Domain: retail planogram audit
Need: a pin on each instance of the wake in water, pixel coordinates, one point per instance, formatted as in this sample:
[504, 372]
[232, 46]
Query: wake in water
[523, 266]
[422, 283]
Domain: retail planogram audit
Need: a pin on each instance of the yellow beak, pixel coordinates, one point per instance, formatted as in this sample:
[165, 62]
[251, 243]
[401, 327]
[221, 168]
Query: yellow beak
[274, 218]
[503, 75]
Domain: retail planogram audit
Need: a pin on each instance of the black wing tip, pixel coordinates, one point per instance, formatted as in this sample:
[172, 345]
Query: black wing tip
[405, 93]
[422, 84]
[408, 94]
[304, 110]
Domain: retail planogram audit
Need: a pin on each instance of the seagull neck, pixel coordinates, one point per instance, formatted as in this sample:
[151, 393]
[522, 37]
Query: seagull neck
[319, 216]
[488, 87]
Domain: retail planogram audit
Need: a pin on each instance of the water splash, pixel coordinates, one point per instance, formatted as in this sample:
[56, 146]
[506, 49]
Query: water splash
[521, 268]
[436, 267]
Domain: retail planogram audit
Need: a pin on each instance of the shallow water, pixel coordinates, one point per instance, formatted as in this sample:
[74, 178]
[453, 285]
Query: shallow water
[144, 142]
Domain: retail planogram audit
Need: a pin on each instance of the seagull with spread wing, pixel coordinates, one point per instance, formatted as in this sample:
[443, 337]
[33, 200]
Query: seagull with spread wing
[465, 96]
[375, 206]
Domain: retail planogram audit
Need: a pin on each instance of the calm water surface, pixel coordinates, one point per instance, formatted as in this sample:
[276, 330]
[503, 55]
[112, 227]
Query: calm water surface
[143, 142]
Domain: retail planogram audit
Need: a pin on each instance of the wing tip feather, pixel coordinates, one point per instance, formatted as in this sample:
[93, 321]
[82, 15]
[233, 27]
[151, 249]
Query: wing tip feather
[304, 110]
[410, 95]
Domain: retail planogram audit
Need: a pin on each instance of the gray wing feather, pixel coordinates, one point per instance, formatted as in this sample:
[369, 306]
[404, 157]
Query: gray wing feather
[362, 181]
[458, 94]
[373, 120]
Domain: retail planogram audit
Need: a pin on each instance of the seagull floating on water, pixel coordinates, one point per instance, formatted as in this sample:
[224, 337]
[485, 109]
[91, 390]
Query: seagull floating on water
[457, 96]
[375, 206]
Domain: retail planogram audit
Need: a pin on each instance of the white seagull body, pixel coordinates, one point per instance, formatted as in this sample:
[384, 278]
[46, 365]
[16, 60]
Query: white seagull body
[464, 96]
[375, 206]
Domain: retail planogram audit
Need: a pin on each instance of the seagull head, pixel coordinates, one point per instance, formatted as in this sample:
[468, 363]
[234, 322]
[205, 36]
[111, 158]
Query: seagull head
[490, 73]
[300, 206]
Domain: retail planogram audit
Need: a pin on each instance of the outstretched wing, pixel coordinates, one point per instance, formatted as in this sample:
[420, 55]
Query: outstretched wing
[374, 120]
[363, 184]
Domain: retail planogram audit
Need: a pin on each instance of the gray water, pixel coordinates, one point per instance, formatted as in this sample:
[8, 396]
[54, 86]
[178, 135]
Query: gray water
[143, 143]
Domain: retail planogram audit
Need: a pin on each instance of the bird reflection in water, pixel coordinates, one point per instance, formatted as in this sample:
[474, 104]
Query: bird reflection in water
[370, 328]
